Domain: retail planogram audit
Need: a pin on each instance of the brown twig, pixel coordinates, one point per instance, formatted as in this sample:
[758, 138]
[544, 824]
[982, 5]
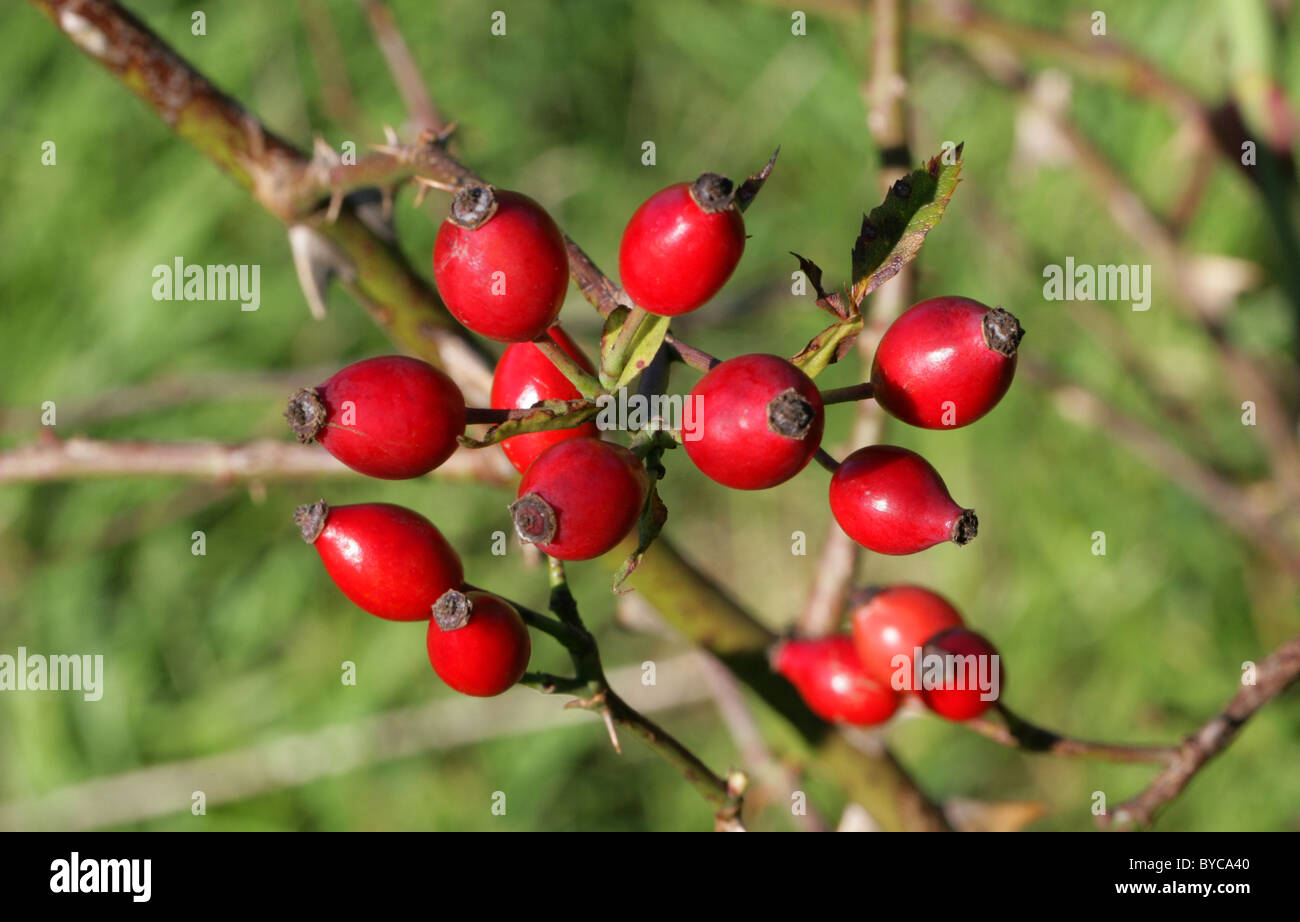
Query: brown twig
[1278, 672]
[1222, 497]
[76, 458]
[887, 115]
[406, 74]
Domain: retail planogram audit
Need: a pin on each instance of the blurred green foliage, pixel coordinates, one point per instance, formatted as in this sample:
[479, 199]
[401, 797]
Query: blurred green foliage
[211, 654]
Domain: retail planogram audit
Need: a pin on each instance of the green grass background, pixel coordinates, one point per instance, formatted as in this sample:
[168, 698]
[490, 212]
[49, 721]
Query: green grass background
[210, 654]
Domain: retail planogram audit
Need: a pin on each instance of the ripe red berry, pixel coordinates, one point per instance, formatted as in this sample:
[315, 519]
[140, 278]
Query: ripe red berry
[832, 682]
[391, 417]
[972, 676]
[682, 245]
[500, 265]
[524, 376]
[945, 362]
[894, 622]
[891, 501]
[580, 498]
[760, 422]
[477, 643]
[388, 560]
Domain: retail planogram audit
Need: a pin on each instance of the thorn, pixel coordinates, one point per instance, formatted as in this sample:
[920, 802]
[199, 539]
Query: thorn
[613, 732]
[390, 137]
[336, 205]
[317, 262]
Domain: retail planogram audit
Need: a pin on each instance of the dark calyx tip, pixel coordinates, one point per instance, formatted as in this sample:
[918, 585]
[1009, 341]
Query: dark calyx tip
[790, 414]
[713, 192]
[965, 528]
[1002, 332]
[534, 519]
[310, 519]
[473, 206]
[306, 414]
[452, 610]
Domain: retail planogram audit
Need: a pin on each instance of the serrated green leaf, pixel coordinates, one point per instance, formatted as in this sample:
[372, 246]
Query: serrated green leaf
[545, 416]
[645, 344]
[893, 233]
[828, 346]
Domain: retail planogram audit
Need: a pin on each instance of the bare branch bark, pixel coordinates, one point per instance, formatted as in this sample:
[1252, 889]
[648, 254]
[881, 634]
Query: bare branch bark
[1273, 676]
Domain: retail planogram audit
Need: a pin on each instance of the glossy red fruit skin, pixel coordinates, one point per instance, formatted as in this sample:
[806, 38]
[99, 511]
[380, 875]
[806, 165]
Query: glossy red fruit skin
[388, 560]
[937, 352]
[522, 242]
[891, 501]
[832, 682]
[525, 376]
[737, 445]
[964, 703]
[391, 417]
[595, 491]
[675, 256]
[895, 621]
[486, 656]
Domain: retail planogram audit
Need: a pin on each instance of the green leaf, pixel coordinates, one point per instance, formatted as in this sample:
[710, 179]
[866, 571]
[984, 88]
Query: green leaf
[893, 233]
[829, 346]
[646, 341]
[653, 516]
[542, 417]
[611, 365]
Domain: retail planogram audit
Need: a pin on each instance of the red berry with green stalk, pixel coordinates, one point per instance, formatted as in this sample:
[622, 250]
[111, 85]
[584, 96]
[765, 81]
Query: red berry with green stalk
[580, 498]
[890, 624]
[388, 560]
[945, 362]
[524, 376]
[972, 676]
[500, 264]
[478, 644]
[682, 245]
[832, 682]
[391, 417]
[891, 501]
[760, 422]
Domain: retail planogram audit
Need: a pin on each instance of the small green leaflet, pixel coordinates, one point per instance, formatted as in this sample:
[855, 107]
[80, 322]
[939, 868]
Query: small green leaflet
[547, 415]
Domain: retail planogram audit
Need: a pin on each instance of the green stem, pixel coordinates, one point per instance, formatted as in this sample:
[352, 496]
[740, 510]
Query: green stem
[587, 385]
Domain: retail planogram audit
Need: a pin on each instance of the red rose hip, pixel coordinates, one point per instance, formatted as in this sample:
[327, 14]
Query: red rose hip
[891, 501]
[759, 422]
[500, 265]
[682, 245]
[580, 498]
[390, 417]
[524, 376]
[971, 678]
[477, 643]
[890, 624]
[388, 560]
[945, 362]
[832, 682]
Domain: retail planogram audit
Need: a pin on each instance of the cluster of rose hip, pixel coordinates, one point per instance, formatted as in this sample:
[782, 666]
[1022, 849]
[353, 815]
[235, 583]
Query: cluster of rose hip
[500, 265]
